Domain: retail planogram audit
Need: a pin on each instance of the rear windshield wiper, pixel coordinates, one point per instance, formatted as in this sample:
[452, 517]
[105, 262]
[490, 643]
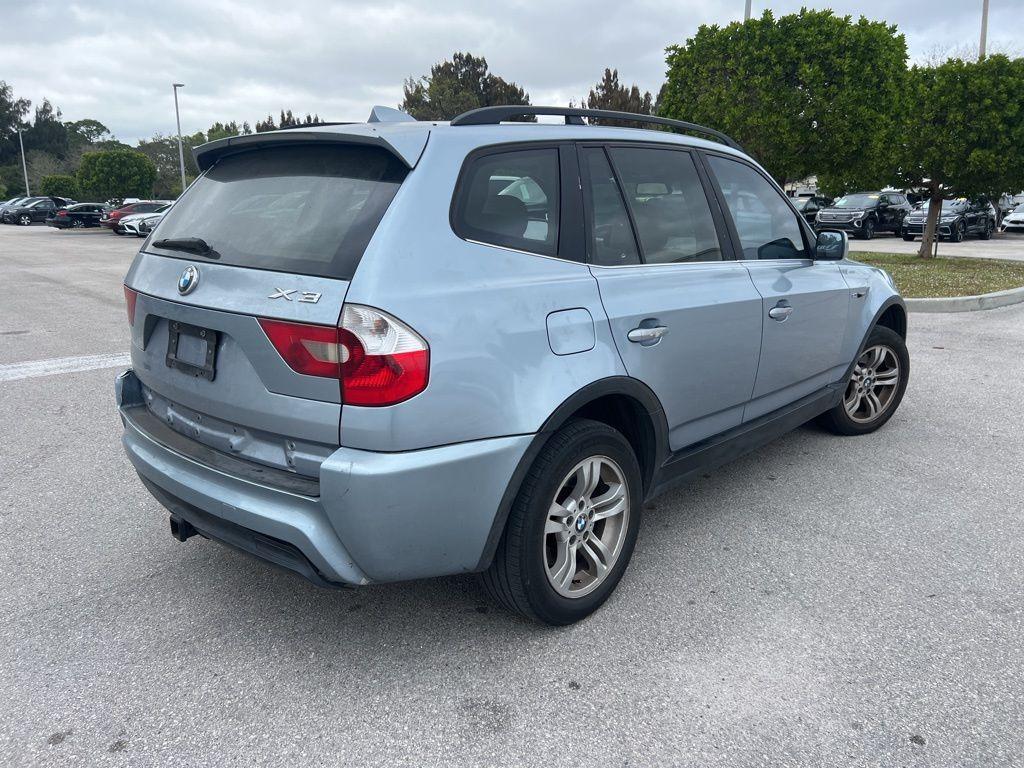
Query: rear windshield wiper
[194, 245]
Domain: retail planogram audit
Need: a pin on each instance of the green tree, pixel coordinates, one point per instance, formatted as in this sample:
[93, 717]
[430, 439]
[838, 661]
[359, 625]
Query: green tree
[456, 86]
[610, 94]
[47, 132]
[116, 173]
[225, 130]
[807, 93]
[12, 117]
[163, 151]
[965, 135]
[86, 131]
[60, 185]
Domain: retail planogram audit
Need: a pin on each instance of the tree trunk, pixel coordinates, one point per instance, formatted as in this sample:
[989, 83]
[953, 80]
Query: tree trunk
[931, 224]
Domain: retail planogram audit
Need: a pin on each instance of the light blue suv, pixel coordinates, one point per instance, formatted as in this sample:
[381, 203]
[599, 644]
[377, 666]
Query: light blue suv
[403, 349]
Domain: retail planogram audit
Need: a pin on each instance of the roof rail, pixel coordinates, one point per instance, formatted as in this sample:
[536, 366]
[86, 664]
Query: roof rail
[574, 116]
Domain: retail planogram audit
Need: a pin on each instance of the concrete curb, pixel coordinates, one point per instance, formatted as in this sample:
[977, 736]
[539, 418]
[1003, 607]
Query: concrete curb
[967, 303]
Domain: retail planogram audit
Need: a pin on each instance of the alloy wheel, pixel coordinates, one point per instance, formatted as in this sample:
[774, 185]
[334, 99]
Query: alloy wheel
[77, 223]
[24, 220]
[586, 526]
[873, 385]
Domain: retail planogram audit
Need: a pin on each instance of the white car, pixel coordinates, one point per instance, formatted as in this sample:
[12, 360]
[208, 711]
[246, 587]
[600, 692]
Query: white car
[140, 224]
[1014, 220]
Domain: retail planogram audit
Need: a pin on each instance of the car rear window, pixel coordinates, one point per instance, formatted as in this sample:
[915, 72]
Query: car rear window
[308, 209]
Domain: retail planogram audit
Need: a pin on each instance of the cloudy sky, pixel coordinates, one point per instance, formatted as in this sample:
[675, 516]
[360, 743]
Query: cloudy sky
[241, 60]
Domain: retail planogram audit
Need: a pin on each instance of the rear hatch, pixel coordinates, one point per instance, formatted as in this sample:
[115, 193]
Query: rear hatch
[270, 233]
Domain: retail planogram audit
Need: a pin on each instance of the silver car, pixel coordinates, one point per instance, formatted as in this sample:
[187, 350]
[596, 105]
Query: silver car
[396, 350]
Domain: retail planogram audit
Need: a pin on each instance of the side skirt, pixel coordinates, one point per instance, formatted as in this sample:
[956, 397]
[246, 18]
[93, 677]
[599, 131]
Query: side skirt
[709, 454]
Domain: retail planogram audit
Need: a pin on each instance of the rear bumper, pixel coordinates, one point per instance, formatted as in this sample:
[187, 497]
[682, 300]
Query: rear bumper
[379, 516]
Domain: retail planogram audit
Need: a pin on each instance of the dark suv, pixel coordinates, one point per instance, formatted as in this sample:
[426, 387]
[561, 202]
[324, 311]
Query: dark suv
[957, 219]
[864, 213]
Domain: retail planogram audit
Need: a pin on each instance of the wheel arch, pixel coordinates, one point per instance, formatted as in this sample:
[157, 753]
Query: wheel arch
[622, 402]
[893, 315]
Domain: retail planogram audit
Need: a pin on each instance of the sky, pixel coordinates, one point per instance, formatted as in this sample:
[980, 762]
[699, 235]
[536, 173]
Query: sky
[115, 62]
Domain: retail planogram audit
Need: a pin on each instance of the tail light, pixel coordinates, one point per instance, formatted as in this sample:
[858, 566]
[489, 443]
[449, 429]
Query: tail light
[129, 302]
[378, 359]
[62, 213]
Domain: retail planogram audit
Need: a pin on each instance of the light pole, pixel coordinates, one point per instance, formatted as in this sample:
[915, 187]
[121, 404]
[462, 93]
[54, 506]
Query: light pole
[984, 29]
[24, 168]
[746, 11]
[177, 117]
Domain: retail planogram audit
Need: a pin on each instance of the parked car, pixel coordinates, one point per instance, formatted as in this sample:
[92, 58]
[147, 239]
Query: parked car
[865, 213]
[957, 219]
[483, 352]
[77, 216]
[112, 218]
[12, 201]
[1014, 220]
[809, 206]
[29, 210]
[129, 225]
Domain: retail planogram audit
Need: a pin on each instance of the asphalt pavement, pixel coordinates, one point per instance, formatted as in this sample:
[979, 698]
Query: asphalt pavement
[824, 601]
[1003, 245]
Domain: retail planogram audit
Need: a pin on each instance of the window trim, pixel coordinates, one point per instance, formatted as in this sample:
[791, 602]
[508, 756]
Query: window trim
[725, 241]
[569, 245]
[804, 227]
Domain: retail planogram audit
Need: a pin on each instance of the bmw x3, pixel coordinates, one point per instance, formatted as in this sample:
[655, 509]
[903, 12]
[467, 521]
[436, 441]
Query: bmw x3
[394, 350]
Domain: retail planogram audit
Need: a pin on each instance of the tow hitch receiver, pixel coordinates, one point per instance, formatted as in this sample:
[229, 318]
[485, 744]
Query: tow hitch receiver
[182, 529]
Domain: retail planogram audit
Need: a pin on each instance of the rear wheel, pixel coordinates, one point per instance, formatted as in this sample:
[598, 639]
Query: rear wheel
[875, 388]
[909, 238]
[572, 528]
[77, 223]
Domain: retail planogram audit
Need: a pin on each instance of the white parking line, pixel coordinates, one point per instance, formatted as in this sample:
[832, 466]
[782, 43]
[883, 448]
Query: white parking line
[31, 370]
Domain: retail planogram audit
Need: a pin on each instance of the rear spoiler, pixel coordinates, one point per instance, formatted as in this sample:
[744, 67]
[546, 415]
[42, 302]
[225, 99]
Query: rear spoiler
[405, 143]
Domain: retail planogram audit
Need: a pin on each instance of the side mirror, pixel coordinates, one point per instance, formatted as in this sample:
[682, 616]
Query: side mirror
[831, 245]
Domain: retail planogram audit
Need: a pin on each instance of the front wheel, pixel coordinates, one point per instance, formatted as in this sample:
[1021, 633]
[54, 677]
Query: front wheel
[25, 220]
[909, 238]
[959, 232]
[572, 528]
[875, 388]
[869, 229]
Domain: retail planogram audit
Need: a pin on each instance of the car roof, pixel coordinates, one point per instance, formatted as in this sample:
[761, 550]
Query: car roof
[408, 138]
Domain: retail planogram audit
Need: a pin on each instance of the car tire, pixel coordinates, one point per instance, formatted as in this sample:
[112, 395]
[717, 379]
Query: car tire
[869, 229]
[77, 224]
[25, 220]
[117, 232]
[909, 238]
[958, 234]
[867, 403]
[990, 228]
[543, 558]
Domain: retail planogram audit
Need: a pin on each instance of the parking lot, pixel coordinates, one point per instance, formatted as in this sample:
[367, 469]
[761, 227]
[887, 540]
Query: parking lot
[825, 601]
[1003, 245]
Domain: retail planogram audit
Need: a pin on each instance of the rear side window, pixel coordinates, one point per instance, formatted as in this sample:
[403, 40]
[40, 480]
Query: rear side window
[309, 209]
[667, 200]
[510, 199]
[611, 235]
[768, 228]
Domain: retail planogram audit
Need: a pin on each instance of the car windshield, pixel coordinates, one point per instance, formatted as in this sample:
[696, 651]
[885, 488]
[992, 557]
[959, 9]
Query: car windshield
[860, 200]
[947, 206]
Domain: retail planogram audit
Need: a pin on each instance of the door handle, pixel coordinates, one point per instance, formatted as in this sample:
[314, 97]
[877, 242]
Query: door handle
[647, 336]
[780, 311]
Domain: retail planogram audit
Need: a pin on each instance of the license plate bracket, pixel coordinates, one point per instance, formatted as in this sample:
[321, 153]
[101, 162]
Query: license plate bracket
[192, 350]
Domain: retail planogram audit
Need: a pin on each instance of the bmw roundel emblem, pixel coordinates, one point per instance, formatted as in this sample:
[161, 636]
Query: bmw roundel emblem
[189, 280]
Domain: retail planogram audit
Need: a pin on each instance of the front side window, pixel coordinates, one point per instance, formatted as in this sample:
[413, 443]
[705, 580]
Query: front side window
[511, 199]
[669, 207]
[611, 236]
[767, 227]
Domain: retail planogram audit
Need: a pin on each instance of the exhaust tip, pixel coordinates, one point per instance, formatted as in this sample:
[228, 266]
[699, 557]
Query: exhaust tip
[182, 529]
